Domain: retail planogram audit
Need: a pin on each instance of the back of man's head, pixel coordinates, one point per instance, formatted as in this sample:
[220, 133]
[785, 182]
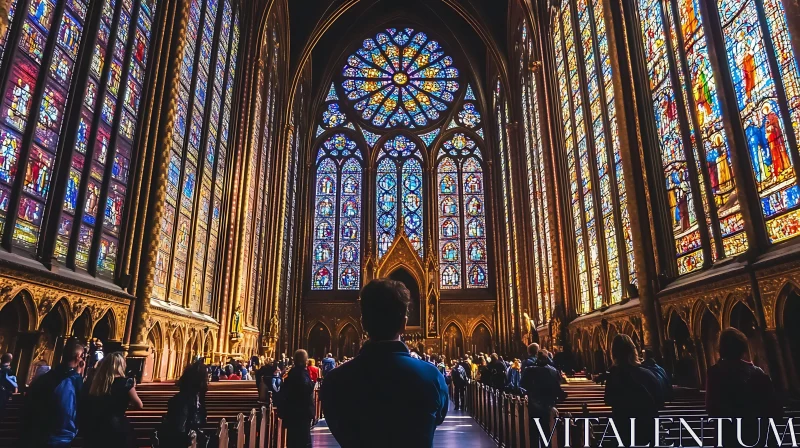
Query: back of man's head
[533, 350]
[73, 354]
[6, 359]
[329, 355]
[384, 307]
[300, 358]
[733, 344]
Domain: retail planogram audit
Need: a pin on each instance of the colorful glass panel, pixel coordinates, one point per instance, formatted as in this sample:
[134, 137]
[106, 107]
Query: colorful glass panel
[400, 79]
[386, 210]
[450, 248]
[561, 52]
[685, 226]
[702, 93]
[757, 97]
[349, 247]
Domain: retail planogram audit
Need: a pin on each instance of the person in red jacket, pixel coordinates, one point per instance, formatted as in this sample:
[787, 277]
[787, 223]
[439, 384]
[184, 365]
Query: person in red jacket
[313, 370]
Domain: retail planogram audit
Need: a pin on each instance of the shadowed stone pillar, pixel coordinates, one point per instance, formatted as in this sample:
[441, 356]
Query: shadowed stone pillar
[168, 80]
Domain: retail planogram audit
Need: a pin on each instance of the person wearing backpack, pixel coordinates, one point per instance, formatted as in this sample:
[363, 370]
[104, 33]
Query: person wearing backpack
[8, 382]
[632, 391]
[328, 364]
[497, 372]
[542, 384]
[459, 377]
[661, 374]
[51, 407]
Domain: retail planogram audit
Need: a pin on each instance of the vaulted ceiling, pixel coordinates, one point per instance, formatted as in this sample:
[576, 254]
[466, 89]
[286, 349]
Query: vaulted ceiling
[323, 32]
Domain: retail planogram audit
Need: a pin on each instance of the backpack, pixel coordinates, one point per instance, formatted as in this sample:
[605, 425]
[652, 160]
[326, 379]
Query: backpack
[458, 375]
[8, 382]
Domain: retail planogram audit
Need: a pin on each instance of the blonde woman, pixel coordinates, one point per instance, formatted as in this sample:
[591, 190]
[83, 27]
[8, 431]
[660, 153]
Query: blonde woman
[110, 395]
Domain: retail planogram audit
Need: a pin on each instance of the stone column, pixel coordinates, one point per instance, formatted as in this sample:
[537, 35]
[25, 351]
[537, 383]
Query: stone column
[775, 358]
[702, 365]
[626, 88]
[177, 19]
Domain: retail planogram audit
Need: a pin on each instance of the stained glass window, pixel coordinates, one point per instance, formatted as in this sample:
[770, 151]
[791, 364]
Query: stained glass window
[190, 227]
[463, 256]
[769, 118]
[684, 215]
[399, 177]
[537, 187]
[603, 241]
[336, 253]
[43, 83]
[400, 78]
[763, 74]
[700, 92]
[262, 155]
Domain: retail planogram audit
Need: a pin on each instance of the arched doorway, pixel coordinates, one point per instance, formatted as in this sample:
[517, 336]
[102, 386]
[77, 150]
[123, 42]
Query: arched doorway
[612, 333]
[481, 339]
[82, 326]
[405, 277]
[681, 353]
[452, 342]
[599, 356]
[709, 337]
[319, 341]
[154, 357]
[208, 348]
[790, 338]
[13, 320]
[744, 320]
[50, 343]
[349, 341]
[103, 328]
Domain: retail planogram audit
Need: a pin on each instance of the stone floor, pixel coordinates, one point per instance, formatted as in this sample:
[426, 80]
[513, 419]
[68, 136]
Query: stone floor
[459, 430]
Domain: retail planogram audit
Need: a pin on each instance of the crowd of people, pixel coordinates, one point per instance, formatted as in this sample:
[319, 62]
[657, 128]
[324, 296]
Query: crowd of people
[366, 399]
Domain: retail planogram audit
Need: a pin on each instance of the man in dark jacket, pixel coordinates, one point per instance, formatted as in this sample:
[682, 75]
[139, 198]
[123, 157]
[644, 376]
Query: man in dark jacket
[497, 370]
[384, 397]
[296, 403]
[467, 366]
[738, 389]
[530, 361]
[459, 377]
[650, 364]
[51, 411]
[543, 384]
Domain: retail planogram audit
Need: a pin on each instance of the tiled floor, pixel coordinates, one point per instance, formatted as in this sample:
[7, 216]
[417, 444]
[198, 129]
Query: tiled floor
[459, 430]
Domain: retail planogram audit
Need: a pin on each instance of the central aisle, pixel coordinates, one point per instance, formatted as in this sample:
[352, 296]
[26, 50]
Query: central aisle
[459, 430]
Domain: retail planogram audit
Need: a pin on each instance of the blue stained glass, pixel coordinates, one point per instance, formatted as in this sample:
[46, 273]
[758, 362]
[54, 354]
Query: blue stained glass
[370, 137]
[332, 96]
[396, 78]
[413, 203]
[469, 95]
[429, 137]
[387, 205]
[350, 234]
[469, 116]
[333, 117]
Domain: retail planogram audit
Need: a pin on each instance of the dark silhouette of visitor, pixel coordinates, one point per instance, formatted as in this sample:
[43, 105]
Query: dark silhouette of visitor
[295, 402]
[51, 408]
[632, 390]
[736, 388]
[384, 397]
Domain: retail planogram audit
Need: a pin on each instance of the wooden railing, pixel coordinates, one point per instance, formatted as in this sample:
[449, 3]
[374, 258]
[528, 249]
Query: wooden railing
[261, 429]
[504, 416]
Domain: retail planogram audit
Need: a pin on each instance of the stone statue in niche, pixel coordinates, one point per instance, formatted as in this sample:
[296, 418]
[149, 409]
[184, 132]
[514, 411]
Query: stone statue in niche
[432, 316]
[236, 324]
